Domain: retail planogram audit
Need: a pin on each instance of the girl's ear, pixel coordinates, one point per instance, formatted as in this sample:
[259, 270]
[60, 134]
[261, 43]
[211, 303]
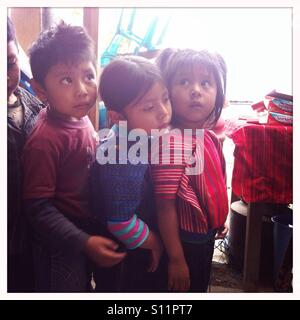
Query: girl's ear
[39, 90]
[115, 116]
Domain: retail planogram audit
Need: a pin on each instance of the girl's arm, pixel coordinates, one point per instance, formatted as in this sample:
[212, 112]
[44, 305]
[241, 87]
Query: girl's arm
[166, 177]
[135, 233]
[154, 244]
[178, 271]
[119, 189]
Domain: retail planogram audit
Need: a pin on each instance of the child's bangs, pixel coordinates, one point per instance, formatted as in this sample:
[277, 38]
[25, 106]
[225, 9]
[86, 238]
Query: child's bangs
[74, 58]
[142, 87]
[196, 61]
[139, 82]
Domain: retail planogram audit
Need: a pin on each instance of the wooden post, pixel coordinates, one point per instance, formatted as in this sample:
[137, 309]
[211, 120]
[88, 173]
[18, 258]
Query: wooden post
[91, 24]
[27, 22]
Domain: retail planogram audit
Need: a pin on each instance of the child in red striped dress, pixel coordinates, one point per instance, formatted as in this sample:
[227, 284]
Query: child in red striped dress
[192, 206]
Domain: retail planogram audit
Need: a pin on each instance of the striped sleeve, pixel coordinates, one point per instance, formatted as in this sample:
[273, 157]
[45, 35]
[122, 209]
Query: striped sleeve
[166, 180]
[133, 232]
[166, 175]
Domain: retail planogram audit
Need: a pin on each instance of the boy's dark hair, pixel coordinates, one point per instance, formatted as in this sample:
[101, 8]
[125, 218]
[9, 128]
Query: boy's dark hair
[11, 33]
[60, 44]
[171, 60]
[126, 80]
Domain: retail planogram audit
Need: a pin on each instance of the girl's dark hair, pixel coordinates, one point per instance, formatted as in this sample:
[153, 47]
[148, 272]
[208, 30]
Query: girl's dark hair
[223, 67]
[125, 80]
[60, 44]
[163, 58]
[171, 60]
[11, 33]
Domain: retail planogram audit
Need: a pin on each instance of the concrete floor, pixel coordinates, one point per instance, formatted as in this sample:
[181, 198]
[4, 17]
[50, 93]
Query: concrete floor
[226, 278]
[223, 277]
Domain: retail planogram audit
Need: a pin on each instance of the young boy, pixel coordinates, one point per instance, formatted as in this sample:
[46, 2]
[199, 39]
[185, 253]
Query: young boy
[22, 109]
[57, 157]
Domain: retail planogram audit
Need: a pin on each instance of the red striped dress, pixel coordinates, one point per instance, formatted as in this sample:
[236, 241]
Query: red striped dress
[202, 202]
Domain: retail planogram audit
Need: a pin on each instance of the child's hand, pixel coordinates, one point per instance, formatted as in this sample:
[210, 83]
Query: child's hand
[221, 233]
[103, 251]
[156, 248]
[178, 276]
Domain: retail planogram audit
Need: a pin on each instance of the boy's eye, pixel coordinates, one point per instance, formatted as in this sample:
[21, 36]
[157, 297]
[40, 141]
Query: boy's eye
[66, 80]
[90, 76]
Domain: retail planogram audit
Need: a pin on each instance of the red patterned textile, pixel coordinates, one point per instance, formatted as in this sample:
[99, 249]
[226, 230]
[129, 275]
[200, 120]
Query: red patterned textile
[262, 161]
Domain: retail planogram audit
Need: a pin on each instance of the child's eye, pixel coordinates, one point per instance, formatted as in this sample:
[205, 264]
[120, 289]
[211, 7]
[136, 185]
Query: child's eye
[166, 99]
[148, 107]
[66, 80]
[184, 82]
[11, 62]
[90, 77]
[205, 83]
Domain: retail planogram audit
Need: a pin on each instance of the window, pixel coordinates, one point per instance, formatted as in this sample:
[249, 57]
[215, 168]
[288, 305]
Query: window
[256, 43]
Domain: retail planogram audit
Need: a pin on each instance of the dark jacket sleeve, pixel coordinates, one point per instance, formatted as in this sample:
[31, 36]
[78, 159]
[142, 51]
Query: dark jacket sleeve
[52, 228]
[96, 203]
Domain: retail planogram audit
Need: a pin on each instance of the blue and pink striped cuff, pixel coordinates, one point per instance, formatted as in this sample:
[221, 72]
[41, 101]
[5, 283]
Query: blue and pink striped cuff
[132, 232]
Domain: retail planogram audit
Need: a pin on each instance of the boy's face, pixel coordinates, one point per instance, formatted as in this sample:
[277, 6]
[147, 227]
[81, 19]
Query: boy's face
[13, 70]
[193, 95]
[71, 90]
[153, 111]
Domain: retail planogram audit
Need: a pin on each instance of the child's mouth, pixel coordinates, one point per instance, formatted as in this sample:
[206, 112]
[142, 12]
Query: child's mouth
[196, 105]
[82, 106]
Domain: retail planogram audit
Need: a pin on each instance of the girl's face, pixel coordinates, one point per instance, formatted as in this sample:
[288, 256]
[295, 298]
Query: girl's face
[193, 95]
[153, 111]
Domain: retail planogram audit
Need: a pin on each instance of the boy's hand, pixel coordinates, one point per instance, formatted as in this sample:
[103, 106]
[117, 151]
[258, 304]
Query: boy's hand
[221, 233]
[156, 248]
[178, 276]
[103, 251]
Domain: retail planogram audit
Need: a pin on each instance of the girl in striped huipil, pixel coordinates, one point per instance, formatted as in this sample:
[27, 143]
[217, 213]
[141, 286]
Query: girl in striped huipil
[192, 205]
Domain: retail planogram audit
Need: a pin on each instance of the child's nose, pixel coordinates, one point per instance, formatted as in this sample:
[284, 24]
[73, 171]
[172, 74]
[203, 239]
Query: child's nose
[163, 111]
[81, 89]
[196, 90]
